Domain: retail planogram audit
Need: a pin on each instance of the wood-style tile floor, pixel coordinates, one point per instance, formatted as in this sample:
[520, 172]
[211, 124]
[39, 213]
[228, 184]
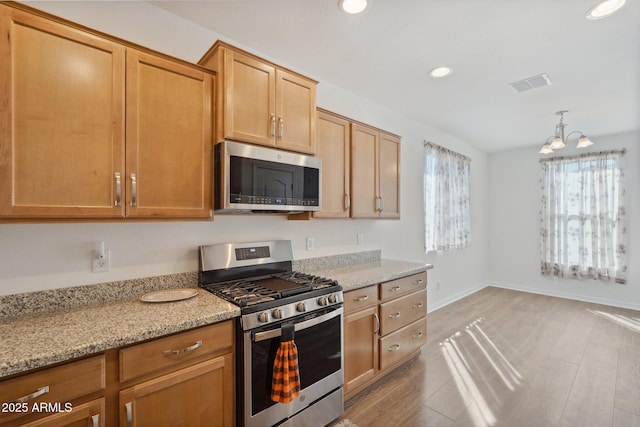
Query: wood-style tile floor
[507, 358]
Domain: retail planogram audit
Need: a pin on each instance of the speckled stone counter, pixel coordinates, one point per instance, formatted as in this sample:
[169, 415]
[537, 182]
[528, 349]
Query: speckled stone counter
[358, 275]
[37, 340]
[46, 327]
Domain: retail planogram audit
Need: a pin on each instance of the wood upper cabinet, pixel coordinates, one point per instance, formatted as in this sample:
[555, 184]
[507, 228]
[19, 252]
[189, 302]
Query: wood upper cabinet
[334, 148]
[375, 173]
[169, 138]
[63, 139]
[261, 103]
[61, 119]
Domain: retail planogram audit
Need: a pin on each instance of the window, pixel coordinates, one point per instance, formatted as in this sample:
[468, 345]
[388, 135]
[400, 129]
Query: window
[583, 231]
[447, 211]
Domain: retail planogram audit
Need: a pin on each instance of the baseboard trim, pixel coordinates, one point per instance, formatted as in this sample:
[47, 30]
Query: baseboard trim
[456, 297]
[566, 295]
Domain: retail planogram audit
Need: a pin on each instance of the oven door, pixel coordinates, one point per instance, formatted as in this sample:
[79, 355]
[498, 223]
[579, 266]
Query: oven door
[318, 337]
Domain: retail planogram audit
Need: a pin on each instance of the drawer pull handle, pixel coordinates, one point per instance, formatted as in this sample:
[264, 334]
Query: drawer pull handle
[182, 350]
[95, 420]
[394, 347]
[39, 392]
[418, 305]
[394, 289]
[129, 414]
[418, 335]
[418, 282]
[394, 315]
[362, 298]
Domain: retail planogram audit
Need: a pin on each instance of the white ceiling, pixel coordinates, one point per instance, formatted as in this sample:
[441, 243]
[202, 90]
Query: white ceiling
[384, 54]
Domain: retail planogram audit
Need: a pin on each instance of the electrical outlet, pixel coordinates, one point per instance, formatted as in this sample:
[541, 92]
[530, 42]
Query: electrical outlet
[359, 239]
[311, 244]
[101, 265]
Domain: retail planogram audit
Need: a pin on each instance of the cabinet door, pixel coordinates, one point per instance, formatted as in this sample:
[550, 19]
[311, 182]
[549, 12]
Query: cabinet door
[61, 120]
[83, 415]
[333, 147]
[296, 112]
[200, 395]
[361, 347]
[169, 138]
[364, 171]
[249, 99]
[389, 156]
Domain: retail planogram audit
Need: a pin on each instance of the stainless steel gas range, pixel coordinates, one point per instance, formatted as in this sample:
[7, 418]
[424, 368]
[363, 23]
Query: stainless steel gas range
[258, 277]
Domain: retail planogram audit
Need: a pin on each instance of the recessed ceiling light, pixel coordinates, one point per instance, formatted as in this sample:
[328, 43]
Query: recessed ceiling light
[604, 9]
[353, 6]
[439, 72]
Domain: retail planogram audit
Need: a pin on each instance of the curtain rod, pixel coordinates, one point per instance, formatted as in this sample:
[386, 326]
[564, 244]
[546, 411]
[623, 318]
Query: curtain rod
[583, 155]
[446, 150]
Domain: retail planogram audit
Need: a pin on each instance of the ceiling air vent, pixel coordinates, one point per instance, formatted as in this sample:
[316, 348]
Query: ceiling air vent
[531, 83]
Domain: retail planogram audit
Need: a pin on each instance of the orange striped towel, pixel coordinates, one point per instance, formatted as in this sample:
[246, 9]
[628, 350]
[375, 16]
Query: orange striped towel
[285, 384]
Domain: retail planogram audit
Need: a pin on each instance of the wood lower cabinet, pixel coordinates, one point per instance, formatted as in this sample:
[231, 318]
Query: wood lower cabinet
[385, 325]
[56, 396]
[190, 397]
[261, 103]
[185, 379]
[74, 105]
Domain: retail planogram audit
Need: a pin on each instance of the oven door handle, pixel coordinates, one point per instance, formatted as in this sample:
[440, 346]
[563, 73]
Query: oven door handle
[266, 335]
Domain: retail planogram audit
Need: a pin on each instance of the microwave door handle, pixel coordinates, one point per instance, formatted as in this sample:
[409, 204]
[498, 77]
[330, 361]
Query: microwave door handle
[267, 335]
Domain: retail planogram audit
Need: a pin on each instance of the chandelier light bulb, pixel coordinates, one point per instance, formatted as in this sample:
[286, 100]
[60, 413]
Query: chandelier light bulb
[557, 143]
[604, 9]
[584, 142]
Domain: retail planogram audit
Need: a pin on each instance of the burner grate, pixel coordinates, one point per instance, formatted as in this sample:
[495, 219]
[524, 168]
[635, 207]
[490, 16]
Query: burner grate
[251, 291]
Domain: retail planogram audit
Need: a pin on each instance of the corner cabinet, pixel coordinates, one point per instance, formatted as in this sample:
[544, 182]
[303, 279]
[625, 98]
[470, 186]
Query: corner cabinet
[261, 103]
[375, 173]
[74, 105]
[385, 325]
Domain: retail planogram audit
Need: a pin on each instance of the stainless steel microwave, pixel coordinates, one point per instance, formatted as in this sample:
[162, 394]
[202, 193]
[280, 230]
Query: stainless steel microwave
[250, 178]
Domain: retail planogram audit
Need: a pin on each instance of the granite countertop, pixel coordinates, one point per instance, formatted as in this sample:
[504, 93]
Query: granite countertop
[37, 340]
[359, 275]
[48, 327]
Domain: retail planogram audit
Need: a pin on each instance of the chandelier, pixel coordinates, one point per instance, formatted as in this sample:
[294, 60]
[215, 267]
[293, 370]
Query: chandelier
[559, 141]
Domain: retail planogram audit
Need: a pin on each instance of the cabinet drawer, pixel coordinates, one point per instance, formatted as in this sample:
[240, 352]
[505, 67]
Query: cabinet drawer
[402, 343]
[360, 298]
[404, 285]
[402, 311]
[175, 350]
[59, 384]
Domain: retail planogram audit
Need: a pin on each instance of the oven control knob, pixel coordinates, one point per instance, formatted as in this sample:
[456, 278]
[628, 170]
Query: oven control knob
[263, 317]
[332, 299]
[322, 301]
[301, 307]
[277, 313]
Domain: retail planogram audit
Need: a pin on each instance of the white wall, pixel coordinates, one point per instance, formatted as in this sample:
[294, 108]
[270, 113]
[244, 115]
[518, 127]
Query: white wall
[514, 224]
[46, 256]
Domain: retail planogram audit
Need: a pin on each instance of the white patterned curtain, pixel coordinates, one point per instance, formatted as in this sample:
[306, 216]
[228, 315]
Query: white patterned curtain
[447, 211]
[583, 232]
